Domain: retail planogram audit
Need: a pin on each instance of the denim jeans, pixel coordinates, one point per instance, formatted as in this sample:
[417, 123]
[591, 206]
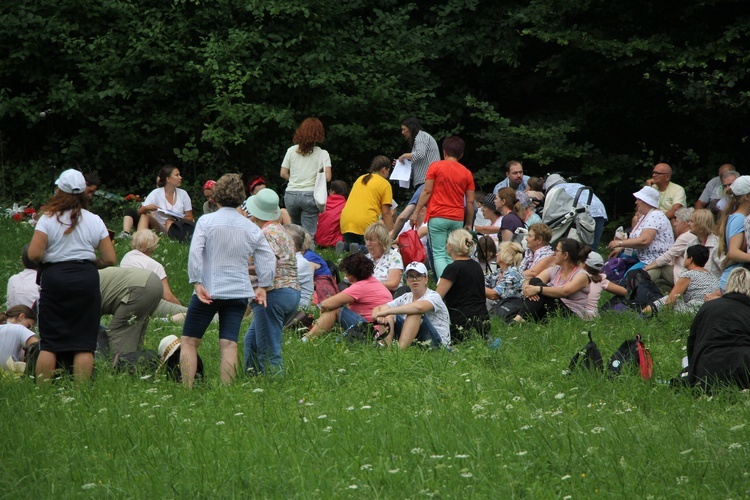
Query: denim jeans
[438, 230]
[199, 316]
[348, 318]
[302, 210]
[425, 333]
[263, 338]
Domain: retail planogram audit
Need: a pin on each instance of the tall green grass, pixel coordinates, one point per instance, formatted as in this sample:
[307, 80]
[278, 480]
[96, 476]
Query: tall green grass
[349, 420]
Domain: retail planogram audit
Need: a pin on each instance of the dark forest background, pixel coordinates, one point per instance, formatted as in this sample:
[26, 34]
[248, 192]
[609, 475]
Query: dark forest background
[597, 89]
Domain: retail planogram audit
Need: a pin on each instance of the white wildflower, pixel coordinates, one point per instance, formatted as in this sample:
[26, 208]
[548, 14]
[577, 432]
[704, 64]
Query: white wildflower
[598, 430]
[220, 422]
[559, 395]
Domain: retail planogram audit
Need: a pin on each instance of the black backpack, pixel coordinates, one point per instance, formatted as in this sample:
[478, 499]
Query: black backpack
[136, 362]
[172, 367]
[181, 230]
[587, 358]
[641, 290]
[334, 271]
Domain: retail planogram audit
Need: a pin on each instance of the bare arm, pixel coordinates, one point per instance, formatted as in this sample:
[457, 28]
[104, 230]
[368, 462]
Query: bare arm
[678, 290]
[671, 211]
[387, 215]
[284, 173]
[394, 279]
[469, 209]
[107, 256]
[338, 300]
[443, 286]
[616, 289]
[329, 173]
[37, 246]
[167, 294]
[189, 216]
[540, 266]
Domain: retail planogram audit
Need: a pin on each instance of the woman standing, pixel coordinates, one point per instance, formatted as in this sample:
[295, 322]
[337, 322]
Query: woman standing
[300, 166]
[263, 338]
[222, 244]
[563, 287]
[65, 240]
[462, 288]
[166, 203]
[370, 197]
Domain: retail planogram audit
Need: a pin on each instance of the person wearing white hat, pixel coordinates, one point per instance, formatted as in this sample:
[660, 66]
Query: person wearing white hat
[221, 247]
[732, 232]
[65, 241]
[419, 315]
[263, 337]
[593, 266]
[652, 234]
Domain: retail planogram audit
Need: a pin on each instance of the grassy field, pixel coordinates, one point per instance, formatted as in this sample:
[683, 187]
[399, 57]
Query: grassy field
[354, 421]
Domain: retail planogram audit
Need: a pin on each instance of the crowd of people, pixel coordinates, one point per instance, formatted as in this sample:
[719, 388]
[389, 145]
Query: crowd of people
[491, 255]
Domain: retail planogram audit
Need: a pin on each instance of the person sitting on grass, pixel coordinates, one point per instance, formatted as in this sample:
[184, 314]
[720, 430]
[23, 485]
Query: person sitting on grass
[329, 221]
[593, 265]
[462, 288]
[563, 288]
[22, 287]
[355, 304]
[693, 284]
[389, 267]
[16, 335]
[144, 243]
[419, 315]
[509, 281]
[539, 254]
[325, 283]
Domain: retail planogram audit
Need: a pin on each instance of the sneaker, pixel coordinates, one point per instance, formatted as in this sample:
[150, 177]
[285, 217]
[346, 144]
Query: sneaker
[340, 247]
[124, 235]
[354, 248]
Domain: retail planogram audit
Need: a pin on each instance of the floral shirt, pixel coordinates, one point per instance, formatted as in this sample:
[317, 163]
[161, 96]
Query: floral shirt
[389, 260]
[286, 260]
[663, 239]
[530, 257]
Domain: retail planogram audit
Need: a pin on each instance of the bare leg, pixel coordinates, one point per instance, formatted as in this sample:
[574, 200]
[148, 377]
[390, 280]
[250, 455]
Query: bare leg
[45, 365]
[189, 359]
[144, 221]
[325, 322]
[127, 223]
[228, 360]
[401, 220]
[83, 366]
[409, 330]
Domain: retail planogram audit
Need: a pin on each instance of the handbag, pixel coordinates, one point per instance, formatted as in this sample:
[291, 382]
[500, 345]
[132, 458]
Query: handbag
[320, 192]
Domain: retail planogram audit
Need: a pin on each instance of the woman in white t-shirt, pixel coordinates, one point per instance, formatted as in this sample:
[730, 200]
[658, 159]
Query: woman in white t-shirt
[144, 243]
[166, 203]
[66, 240]
[15, 334]
[300, 167]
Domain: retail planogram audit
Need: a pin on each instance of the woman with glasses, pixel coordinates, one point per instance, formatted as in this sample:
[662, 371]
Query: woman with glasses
[563, 288]
[419, 314]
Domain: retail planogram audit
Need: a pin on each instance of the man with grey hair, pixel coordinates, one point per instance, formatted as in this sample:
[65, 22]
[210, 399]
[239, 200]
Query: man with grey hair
[666, 269]
[727, 178]
[671, 195]
[713, 191]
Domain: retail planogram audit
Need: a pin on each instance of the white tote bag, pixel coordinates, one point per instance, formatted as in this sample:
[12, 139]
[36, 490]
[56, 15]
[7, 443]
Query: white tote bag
[320, 193]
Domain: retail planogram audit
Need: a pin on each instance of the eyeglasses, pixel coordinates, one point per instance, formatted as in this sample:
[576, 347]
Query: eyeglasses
[414, 276]
[726, 185]
[558, 250]
[659, 173]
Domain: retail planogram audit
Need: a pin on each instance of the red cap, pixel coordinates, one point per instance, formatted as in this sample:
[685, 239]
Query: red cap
[209, 185]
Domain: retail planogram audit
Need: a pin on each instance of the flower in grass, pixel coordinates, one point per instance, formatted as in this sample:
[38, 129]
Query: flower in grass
[67, 399]
[257, 390]
[353, 487]
[365, 407]
[393, 471]
[682, 480]
[461, 456]
[437, 456]
[365, 467]
[322, 416]
[145, 377]
[240, 414]
[465, 473]
[565, 477]
[415, 451]
[152, 390]
[516, 399]
[328, 429]
[143, 404]
[349, 408]
[560, 395]
[220, 422]
[342, 370]
[685, 452]
[736, 427]
[88, 486]
[522, 453]
[598, 430]
[735, 446]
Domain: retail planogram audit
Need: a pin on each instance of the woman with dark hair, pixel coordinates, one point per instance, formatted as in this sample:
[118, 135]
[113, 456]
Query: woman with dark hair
[166, 203]
[65, 240]
[221, 247]
[369, 199]
[692, 286]
[507, 204]
[491, 214]
[263, 338]
[16, 334]
[300, 166]
[562, 288]
[424, 152]
[355, 304]
[461, 285]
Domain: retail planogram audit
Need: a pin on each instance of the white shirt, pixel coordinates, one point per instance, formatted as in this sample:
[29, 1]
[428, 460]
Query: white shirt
[220, 251]
[22, 289]
[78, 244]
[305, 276]
[13, 339]
[303, 169]
[138, 259]
[157, 197]
[439, 316]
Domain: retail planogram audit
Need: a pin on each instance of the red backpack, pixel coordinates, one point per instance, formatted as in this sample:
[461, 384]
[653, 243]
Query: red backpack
[411, 247]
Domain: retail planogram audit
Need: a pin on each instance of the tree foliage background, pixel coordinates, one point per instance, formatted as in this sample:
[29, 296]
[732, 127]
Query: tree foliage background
[597, 89]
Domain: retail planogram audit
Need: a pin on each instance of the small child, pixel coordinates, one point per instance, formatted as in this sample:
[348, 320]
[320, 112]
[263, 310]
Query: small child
[510, 279]
[593, 266]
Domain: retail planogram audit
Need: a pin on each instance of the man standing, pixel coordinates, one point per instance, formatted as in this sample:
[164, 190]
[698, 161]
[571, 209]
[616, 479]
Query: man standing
[713, 191]
[671, 195]
[514, 177]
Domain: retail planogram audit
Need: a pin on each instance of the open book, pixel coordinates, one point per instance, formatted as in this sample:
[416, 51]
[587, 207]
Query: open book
[170, 213]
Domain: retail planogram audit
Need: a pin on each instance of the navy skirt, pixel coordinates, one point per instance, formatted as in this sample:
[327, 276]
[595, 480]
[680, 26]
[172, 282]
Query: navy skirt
[70, 306]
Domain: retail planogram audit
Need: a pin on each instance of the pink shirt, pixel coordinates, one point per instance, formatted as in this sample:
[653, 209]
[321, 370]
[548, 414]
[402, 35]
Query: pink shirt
[367, 294]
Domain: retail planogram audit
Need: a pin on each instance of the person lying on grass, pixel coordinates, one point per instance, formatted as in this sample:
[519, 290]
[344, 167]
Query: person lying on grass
[419, 314]
[355, 304]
